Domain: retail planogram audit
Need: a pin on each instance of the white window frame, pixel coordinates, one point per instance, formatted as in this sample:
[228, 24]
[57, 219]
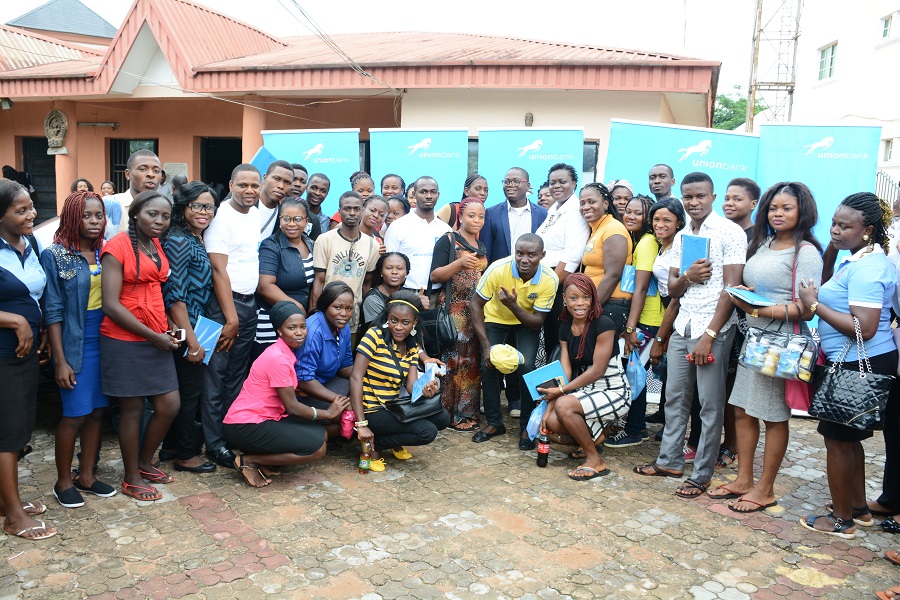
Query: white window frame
[886, 26]
[827, 60]
[888, 150]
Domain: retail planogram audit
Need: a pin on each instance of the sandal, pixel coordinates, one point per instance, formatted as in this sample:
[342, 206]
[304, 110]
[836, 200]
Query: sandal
[654, 470]
[32, 509]
[142, 493]
[690, 485]
[726, 458]
[730, 495]
[839, 527]
[401, 454]
[49, 532]
[894, 592]
[247, 472]
[577, 454]
[464, 425]
[893, 556]
[155, 476]
[377, 465]
[858, 514]
[583, 473]
[889, 525]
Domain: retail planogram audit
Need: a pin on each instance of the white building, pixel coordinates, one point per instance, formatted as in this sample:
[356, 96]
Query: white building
[847, 60]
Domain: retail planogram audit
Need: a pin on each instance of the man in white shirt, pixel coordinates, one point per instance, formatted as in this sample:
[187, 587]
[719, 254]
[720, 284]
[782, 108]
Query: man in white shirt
[415, 234]
[704, 328]
[143, 172]
[232, 241]
[275, 186]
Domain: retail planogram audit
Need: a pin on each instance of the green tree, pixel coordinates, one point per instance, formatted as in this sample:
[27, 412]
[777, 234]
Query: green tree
[731, 109]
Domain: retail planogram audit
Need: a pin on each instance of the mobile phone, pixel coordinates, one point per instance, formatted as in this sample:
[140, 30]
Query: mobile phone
[178, 335]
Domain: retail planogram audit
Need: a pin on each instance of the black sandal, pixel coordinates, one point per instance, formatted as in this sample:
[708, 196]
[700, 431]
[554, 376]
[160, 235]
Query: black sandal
[889, 525]
[690, 484]
[839, 526]
[724, 453]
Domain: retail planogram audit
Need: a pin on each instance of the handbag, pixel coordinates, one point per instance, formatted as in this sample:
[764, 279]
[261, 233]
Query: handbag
[785, 355]
[798, 394]
[845, 396]
[436, 324]
[403, 408]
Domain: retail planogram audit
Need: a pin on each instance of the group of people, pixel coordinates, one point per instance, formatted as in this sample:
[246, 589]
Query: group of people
[318, 320]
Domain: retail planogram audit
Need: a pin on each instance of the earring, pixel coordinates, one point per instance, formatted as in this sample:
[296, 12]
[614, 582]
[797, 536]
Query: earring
[413, 332]
[865, 237]
[564, 304]
[385, 326]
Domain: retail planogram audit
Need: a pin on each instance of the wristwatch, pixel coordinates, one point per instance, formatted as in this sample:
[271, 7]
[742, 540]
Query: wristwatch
[629, 330]
[659, 340]
[813, 307]
[711, 333]
[755, 313]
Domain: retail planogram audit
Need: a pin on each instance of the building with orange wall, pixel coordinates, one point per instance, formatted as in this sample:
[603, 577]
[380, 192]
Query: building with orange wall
[199, 86]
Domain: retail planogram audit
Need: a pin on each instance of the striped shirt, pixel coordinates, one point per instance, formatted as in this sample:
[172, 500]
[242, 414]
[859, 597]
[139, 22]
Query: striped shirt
[382, 381]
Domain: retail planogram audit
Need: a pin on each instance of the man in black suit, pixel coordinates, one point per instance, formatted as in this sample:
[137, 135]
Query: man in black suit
[504, 223]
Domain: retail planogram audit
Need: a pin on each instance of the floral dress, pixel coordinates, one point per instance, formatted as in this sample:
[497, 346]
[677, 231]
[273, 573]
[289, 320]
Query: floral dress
[462, 385]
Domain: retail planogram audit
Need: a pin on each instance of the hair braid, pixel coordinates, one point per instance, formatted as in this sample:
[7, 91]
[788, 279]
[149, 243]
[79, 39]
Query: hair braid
[132, 233]
[875, 212]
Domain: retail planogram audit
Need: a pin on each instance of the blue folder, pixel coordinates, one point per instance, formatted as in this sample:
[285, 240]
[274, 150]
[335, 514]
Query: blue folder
[207, 332]
[693, 248]
[545, 374]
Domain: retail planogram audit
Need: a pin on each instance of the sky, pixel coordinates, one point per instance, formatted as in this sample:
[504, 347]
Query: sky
[707, 29]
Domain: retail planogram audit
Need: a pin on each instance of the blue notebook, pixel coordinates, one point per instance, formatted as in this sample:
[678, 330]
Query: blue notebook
[207, 332]
[628, 283]
[548, 376]
[751, 298]
[693, 248]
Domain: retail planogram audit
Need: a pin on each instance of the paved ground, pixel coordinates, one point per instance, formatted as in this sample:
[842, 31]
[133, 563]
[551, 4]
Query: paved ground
[460, 520]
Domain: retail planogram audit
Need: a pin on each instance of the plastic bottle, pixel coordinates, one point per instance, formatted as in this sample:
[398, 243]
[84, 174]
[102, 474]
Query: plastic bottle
[348, 418]
[543, 449]
[365, 458]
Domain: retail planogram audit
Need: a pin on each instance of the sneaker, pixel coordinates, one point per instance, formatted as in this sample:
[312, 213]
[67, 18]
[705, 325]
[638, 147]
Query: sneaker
[645, 435]
[623, 440]
[689, 454]
[514, 410]
[69, 498]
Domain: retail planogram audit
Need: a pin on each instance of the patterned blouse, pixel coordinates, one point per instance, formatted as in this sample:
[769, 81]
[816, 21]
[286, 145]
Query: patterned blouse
[190, 280]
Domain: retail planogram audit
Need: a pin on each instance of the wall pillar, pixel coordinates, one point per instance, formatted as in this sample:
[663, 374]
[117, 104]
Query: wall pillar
[254, 123]
[67, 164]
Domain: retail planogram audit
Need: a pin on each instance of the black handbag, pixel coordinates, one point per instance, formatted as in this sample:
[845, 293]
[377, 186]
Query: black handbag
[436, 324]
[851, 397]
[403, 408]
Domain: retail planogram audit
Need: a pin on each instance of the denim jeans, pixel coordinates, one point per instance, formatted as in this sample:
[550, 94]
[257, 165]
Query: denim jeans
[525, 340]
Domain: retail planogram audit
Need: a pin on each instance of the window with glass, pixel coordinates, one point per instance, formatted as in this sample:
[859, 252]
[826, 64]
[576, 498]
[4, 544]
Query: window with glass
[827, 56]
[886, 26]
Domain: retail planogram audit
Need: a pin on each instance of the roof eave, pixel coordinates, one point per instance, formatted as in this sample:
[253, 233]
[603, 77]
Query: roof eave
[674, 63]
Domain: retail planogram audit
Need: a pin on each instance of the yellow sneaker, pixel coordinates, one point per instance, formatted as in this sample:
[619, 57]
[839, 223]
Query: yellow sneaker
[377, 466]
[401, 454]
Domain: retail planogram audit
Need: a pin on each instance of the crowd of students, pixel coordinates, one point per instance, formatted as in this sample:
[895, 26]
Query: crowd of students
[319, 317]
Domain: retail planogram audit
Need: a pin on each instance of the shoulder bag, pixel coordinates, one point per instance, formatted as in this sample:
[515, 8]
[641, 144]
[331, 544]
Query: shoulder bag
[403, 408]
[435, 324]
[851, 397]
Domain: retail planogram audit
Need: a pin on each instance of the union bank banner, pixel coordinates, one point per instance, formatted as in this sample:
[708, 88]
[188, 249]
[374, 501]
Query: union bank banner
[634, 147]
[833, 161]
[334, 152]
[535, 150]
[412, 153]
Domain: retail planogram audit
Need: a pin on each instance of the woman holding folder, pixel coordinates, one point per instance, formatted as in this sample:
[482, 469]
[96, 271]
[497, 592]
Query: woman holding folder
[186, 294]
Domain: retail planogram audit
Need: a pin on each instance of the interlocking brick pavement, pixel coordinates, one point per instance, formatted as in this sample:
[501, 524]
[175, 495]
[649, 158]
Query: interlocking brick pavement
[460, 520]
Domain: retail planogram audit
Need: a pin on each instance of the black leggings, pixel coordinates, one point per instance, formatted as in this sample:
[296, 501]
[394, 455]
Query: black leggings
[391, 433]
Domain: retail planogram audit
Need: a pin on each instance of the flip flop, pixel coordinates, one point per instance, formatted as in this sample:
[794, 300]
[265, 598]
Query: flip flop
[50, 532]
[729, 496]
[577, 454]
[890, 594]
[654, 470]
[690, 484]
[32, 509]
[759, 507]
[589, 473]
[893, 556]
[155, 494]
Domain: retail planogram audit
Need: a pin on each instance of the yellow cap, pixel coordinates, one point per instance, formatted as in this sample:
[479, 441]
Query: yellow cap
[505, 358]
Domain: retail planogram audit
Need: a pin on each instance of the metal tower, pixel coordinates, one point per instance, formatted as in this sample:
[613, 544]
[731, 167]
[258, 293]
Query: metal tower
[774, 61]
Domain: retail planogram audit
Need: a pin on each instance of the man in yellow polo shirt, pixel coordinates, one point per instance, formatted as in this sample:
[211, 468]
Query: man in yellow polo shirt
[513, 298]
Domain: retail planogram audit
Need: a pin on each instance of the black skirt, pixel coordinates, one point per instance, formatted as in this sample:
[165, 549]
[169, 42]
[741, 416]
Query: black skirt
[19, 400]
[135, 369]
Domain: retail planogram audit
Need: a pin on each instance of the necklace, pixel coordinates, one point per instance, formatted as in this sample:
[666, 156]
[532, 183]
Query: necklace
[99, 266]
[347, 266]
[150, 253]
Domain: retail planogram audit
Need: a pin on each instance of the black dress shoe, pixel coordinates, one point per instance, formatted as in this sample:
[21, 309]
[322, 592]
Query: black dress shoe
[526, 444]
[206, 467]
[483, 436]
[224, 458]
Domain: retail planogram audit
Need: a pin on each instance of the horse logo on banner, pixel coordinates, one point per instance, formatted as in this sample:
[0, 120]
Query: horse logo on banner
[700, 149]
[823, 144]
[425, 144]
[532, 147]
[314, 151]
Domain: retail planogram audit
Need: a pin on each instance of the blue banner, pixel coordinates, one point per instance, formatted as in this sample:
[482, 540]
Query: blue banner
[535, 150]
[634, 147]
[334, 152]
[412, 153]
[833, 161]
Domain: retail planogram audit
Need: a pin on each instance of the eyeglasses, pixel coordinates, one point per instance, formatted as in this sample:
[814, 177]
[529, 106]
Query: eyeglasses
[514, 181]
[286, 219]
[202, 208]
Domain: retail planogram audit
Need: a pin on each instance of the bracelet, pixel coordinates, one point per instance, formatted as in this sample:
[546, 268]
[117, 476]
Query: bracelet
[755, 313]
[813, 307]
[688, 279]
[711, 333]
[195, 353]
[315, 414]
[562, 391]
[363, 423]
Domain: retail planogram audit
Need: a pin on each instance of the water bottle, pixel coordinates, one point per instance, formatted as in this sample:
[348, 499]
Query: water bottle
[365, 458]
[543, 449]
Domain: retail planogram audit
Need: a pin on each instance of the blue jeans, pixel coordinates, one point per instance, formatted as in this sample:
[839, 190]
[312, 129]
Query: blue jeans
[526, 341]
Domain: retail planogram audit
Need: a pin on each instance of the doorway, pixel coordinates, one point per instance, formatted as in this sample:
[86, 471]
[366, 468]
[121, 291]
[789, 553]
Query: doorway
[42, 169]
[218, 157]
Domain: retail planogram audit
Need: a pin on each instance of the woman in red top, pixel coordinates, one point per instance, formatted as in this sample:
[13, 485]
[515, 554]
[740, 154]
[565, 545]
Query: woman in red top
[135, 348]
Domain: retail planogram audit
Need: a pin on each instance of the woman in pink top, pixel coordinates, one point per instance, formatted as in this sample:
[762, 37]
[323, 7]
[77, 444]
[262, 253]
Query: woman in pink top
[266, 422]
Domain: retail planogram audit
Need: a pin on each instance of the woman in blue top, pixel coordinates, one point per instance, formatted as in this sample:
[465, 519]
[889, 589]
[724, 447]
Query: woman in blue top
[325, 360]
[186, 293]
[862, 287]
[72, 314]
[22, 282]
